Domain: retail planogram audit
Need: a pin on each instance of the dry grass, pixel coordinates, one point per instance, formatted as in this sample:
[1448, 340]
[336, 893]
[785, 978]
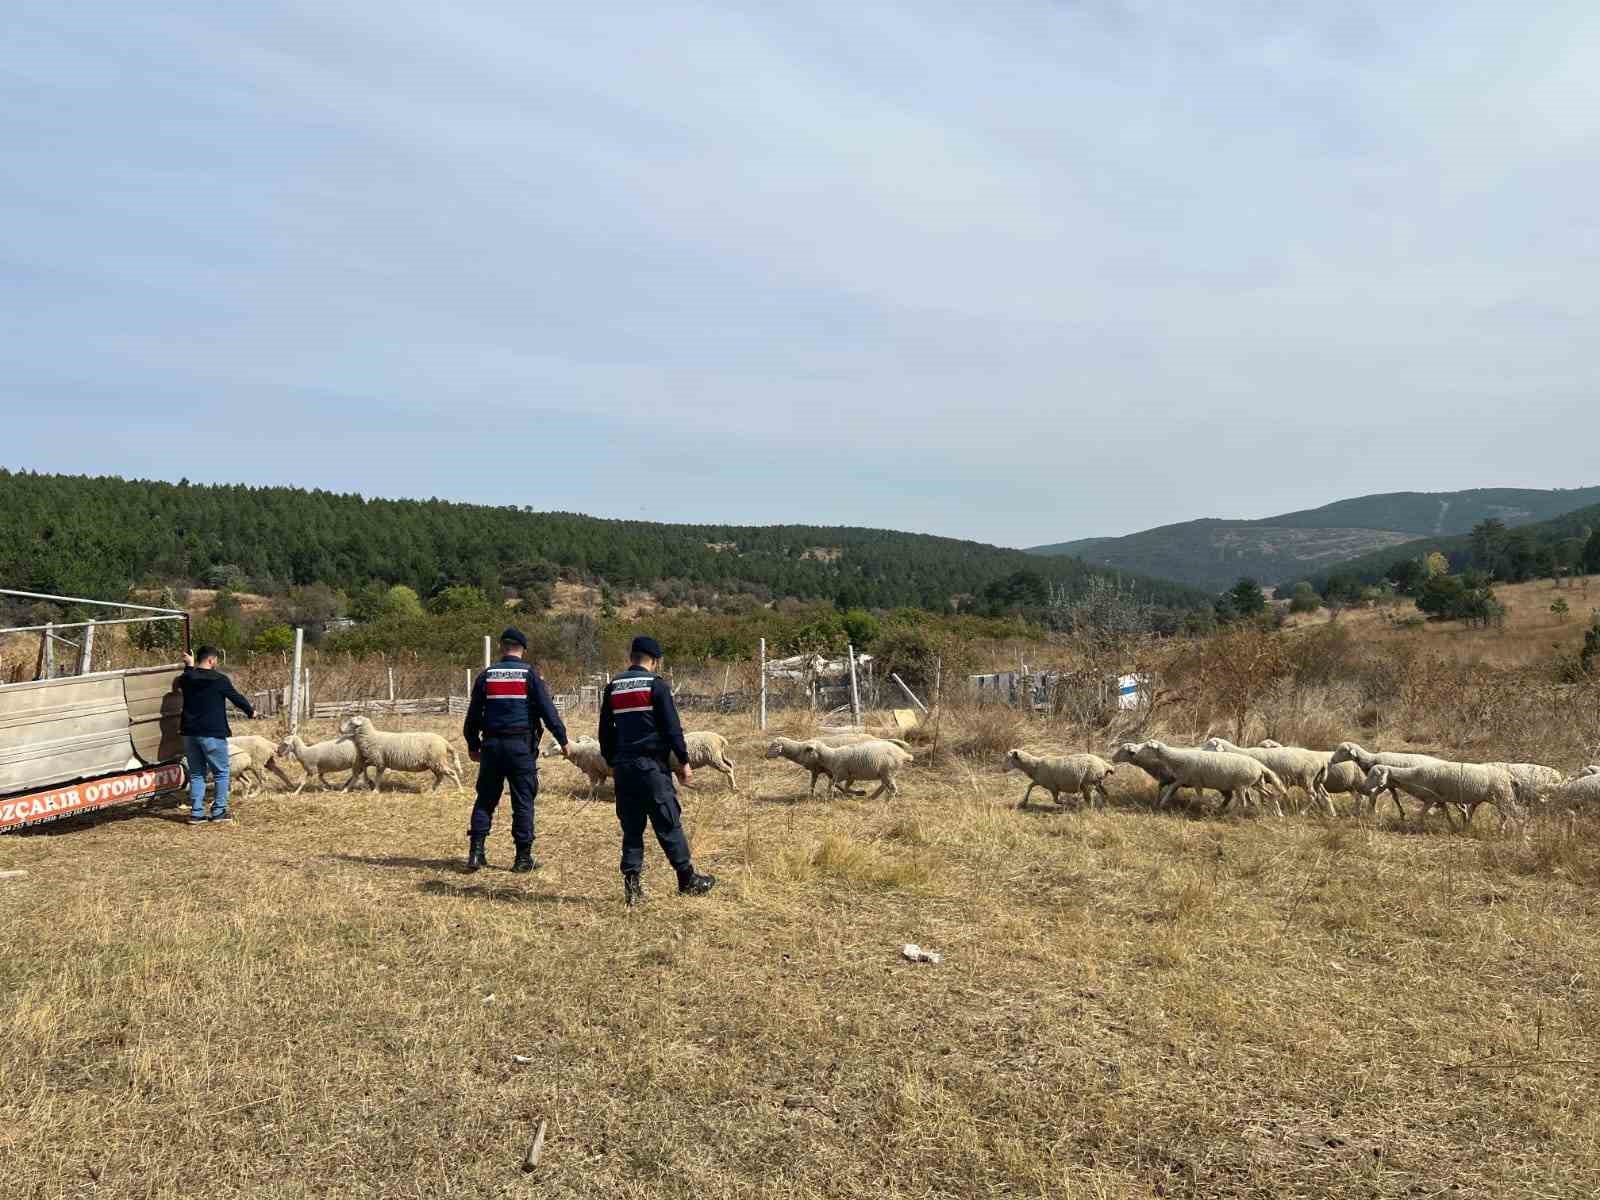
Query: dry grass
[1530, 630]
[1130, 1005]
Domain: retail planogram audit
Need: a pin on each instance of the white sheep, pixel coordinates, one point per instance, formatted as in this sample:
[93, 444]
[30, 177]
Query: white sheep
[1535, 781]
[1345, 778]
[707, 749]
[1082, 774]
[1291, 764]
[263, 756]
[1589, 770]
[878, 760]
[1134, 752]
[244, 772]
[1365, 760]
[584, 753]
[1441, 784]
[1217, 770]
[335, 754]
[790, 748]
[1581, 789]
[386, 751]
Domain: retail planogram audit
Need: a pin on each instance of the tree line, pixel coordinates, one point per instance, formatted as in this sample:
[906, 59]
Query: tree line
[99, 536]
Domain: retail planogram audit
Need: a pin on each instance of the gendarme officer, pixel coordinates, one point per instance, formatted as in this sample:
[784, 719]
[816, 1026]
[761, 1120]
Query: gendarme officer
[509, 702]
[639, 727]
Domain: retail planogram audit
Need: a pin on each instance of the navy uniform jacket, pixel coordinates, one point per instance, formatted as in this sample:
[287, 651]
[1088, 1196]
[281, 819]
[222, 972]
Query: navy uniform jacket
[509, 698]
[638, 718]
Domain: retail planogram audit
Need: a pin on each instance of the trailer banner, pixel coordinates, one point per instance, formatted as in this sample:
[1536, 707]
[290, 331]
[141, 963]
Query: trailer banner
[55, 803]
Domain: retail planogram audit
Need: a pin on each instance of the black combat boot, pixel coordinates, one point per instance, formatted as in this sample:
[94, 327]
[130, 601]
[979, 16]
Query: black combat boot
[632, 889]
[525, 861]
[475, 853]
[692, 883]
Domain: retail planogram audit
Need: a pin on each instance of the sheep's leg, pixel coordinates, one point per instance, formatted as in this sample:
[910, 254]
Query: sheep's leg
[1166, 794]
[1023, 803]
[276, 769]
[1326, 797]
[1098, 795]
[377, 779]
[886, 786]
[815, 775]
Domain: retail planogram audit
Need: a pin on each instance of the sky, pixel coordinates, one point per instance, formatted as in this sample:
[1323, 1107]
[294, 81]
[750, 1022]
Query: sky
[1022, 271]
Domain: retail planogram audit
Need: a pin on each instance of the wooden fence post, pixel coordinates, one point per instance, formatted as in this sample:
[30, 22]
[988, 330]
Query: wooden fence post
[48, 651]
[294, 682]
[486, 659]
[763, 716]
[86, 651]
[855, 692]
[391, 685]
[912, 696]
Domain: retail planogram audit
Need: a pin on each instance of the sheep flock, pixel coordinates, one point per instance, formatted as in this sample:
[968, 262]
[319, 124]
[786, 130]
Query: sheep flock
[1265, 774]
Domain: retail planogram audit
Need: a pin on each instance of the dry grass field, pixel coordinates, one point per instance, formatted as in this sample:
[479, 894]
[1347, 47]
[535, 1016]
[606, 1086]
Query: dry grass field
[1530, 631]
[315, 1001]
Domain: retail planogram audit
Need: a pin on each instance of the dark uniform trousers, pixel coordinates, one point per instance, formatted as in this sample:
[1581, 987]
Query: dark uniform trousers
[645, 795]
[506, 759]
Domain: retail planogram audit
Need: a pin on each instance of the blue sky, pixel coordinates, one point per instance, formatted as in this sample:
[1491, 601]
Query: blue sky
[1018, 271]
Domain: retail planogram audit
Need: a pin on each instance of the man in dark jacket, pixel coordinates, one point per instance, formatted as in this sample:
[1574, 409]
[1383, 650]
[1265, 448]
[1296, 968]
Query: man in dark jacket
[509, 704]
[207, 692]
[639, 728]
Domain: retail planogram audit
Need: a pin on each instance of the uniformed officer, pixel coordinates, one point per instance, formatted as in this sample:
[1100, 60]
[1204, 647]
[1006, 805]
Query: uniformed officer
[639, 728]
[509, 702]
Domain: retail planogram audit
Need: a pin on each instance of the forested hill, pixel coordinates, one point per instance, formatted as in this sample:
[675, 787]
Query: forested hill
[98, 536]
[1212, 552]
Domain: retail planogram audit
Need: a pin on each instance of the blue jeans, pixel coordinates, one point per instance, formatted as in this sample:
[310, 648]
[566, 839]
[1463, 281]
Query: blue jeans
[204, 752]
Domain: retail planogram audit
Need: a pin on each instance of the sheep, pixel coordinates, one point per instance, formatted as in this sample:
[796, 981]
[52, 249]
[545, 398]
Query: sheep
[1302, 768]
[584, 753]
[1589, 770]
[385, 751]
[790, 748]
[1347, 752]
[1084, 774]
[1133, 752]
[244, 772]
[263, 754]
[1218, 770]
[878, 760]
[708, 750]
[1441, 784]
[1345, 778]
[1581, 789]
[1535, 780]
[335, 754]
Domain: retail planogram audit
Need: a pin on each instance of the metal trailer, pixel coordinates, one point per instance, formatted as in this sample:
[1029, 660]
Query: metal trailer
[75, 740]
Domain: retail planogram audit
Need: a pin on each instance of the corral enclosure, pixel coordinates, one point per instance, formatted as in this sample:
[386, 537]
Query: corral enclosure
[317, 1001]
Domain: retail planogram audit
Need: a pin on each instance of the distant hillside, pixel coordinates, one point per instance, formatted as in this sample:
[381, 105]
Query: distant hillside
[1213, 553]
[98, 536]
[1525, 552]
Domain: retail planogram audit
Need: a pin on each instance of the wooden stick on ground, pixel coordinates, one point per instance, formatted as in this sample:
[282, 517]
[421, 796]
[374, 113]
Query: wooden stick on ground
[535, 1148]
[13, 874]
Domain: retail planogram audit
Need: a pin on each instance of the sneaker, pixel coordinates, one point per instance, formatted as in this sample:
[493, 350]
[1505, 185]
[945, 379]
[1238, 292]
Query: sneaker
[223, 816]
[194, 820]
